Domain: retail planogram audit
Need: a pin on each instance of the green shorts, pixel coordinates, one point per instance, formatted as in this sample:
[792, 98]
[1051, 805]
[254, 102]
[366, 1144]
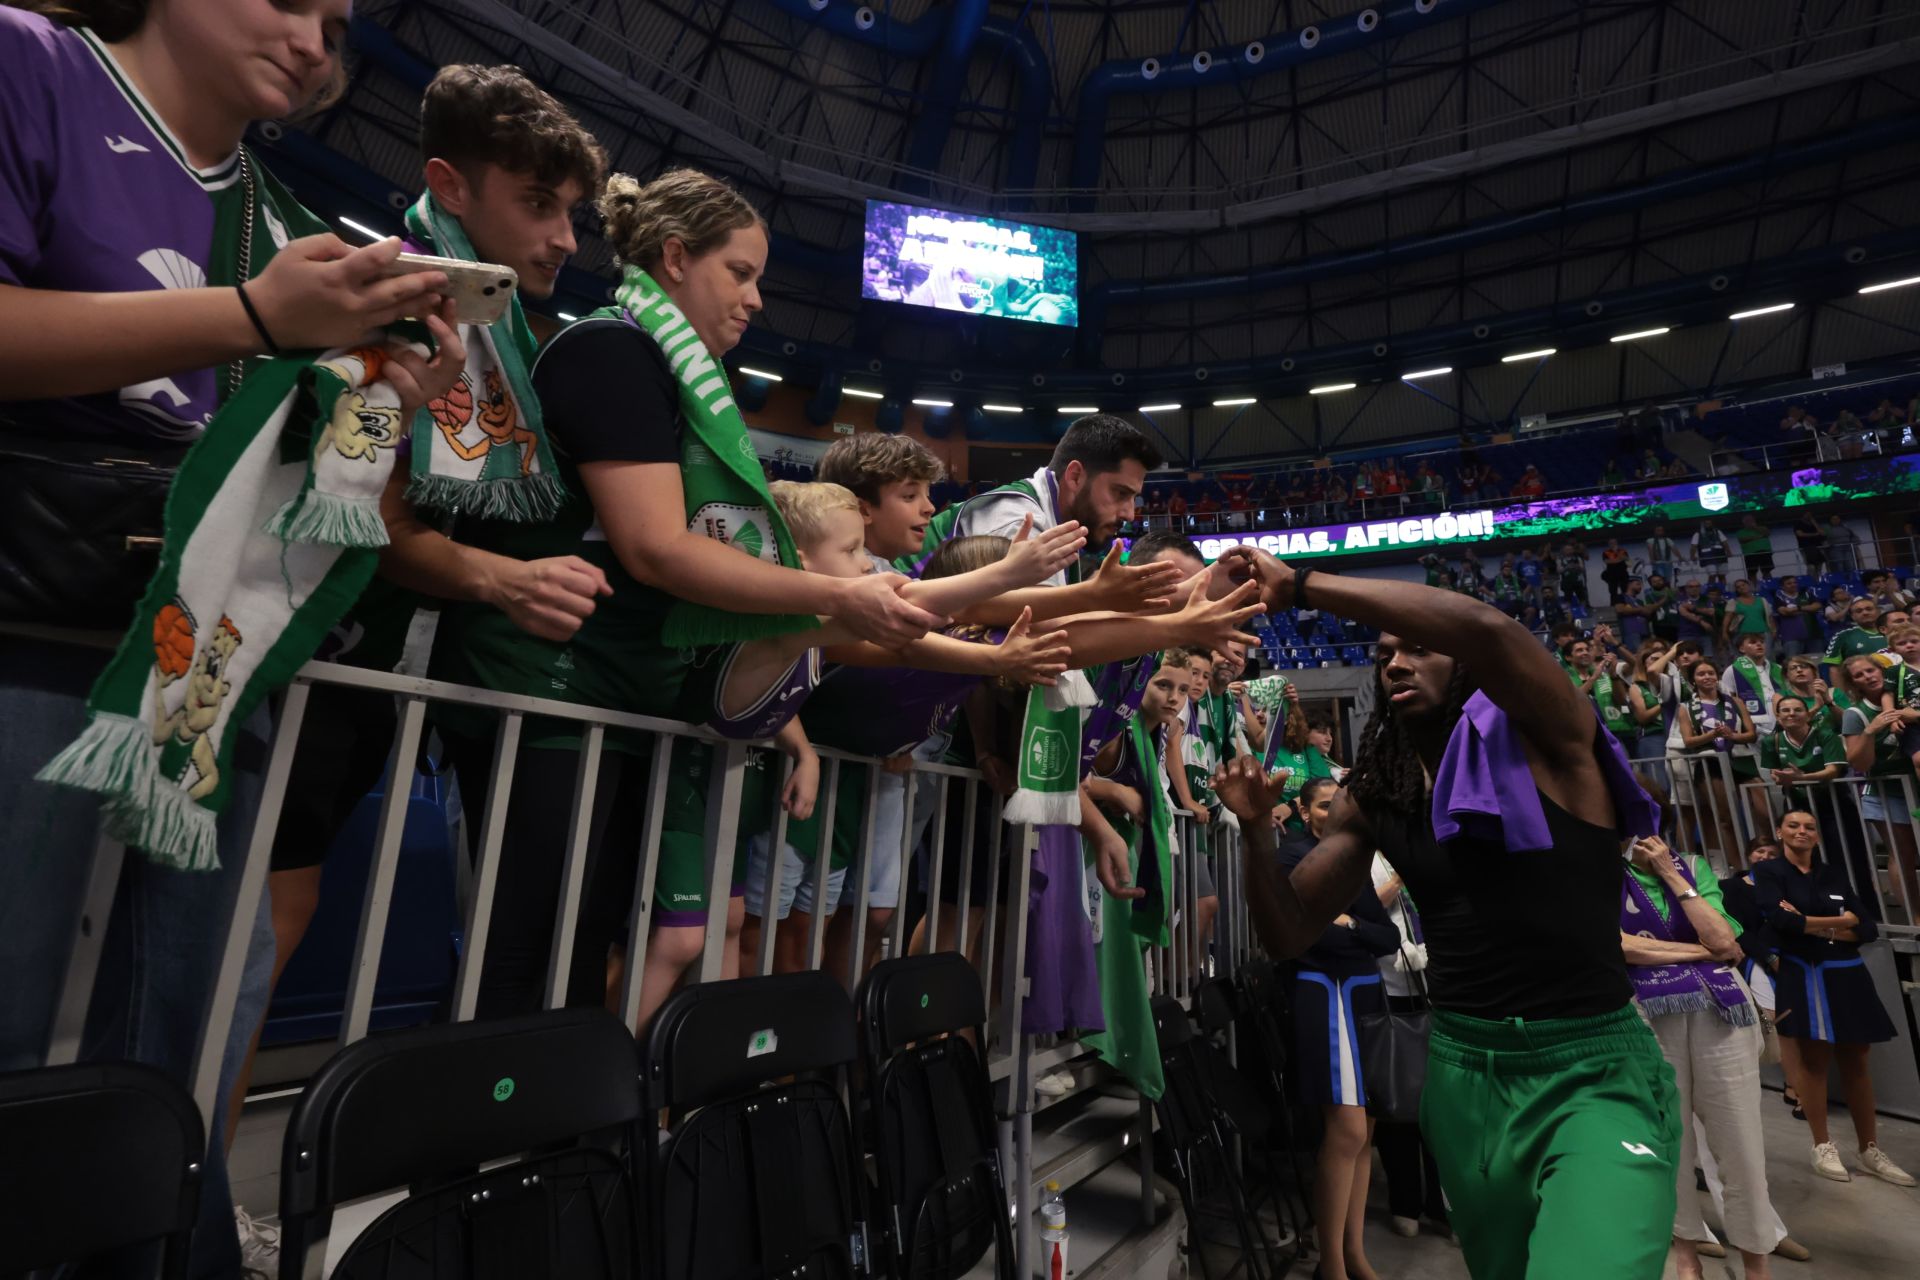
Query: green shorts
[1557, 1142]
[680, 881]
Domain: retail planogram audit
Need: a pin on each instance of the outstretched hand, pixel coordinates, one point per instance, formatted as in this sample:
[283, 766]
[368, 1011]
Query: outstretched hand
[1034, 559]
[1214, 625]
[1029, 659]
[1133, 588]
[1246, 789]
[1273, 575]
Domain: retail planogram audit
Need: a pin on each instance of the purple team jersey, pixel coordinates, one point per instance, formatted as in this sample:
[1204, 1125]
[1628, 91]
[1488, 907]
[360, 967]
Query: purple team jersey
[97, 196]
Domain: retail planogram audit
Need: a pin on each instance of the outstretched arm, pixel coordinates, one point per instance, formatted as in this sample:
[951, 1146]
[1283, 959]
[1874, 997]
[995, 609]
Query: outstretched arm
[1512, 668]
[1202, 624]
[1290, 912]
[1114, 587]
[1032, 559]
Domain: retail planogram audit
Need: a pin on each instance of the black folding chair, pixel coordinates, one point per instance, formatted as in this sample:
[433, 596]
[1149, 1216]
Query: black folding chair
[558, 1093]
[1210, 1189]
[1264, 1019]
[1251, 1111]
[755, 1174]
[94, 1158]
[942, 1201]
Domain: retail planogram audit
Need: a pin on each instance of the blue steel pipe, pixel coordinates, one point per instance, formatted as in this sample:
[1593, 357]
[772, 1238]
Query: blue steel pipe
[1887, 131]
[1231, 65]
[946, 79]
[962, 23]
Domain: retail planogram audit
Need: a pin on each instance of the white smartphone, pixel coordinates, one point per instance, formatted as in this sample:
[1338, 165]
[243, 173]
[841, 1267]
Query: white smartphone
[480, 290]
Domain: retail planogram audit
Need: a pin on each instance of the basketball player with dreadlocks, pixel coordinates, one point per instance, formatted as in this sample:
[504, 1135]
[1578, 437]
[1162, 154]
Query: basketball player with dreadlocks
[1492, 786]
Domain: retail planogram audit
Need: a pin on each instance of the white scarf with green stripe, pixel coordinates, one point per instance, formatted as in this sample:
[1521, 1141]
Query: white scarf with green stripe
[481, 449]
[269, 537]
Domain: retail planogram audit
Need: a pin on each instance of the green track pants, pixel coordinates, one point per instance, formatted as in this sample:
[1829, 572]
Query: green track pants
[1556, 1142]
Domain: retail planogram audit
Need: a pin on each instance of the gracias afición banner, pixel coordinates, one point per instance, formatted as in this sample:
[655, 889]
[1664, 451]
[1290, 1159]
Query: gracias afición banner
[1587, 514]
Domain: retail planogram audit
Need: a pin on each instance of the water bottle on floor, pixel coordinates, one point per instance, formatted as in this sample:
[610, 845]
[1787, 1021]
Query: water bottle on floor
[1053, 1231]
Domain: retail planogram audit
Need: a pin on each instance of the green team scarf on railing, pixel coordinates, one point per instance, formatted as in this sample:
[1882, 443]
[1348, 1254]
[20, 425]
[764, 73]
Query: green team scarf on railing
[481, 449]
[257, 563]
[1128, 1043]
[1048, 769]
[725, 491]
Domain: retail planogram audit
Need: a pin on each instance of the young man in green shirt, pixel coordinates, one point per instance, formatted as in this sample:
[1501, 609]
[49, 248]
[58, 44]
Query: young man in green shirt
[1864, 636]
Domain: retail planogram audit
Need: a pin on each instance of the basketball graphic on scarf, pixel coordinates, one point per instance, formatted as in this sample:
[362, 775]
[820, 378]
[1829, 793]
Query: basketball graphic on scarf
[454, 410]
[173, 641]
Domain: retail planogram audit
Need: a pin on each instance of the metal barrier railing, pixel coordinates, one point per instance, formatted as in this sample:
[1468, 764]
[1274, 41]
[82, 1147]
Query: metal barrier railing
[1867, 824]
[1013, 1059]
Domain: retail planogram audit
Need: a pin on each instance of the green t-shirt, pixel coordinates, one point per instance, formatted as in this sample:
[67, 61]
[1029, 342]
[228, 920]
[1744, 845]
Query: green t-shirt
[1751, 616]
[1754, 542]
[1820, 749]
[1703, 879]
[1853, 642]
[1888, 759]
[1305, 764]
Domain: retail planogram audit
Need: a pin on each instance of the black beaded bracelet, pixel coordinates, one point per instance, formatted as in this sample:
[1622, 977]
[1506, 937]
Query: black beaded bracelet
[259, 326]
[1300, 577]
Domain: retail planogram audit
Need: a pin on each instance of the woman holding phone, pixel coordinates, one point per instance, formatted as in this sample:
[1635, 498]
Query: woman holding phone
[146, 259]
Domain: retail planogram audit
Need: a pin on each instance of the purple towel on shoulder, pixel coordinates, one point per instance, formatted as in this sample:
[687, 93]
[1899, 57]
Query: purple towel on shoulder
[1484, 789]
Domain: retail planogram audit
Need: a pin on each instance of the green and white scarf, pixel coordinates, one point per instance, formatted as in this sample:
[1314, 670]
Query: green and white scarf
[1050, 732]
[1124, 926]
[725, 490]
[481, 449]
[269, 537]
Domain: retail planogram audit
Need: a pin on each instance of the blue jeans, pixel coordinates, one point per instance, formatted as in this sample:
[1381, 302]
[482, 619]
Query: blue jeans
[166, 934]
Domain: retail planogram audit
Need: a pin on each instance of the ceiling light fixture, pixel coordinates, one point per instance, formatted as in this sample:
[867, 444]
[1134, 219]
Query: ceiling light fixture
[1418, 374]
[1639, 333]
[1002, 408]
[362, 228]
[1891, 284]
[863, 395]
[1331, 387]
[1159, 408]
[761, 374]
[1761, 311]
[1517, 356]
[934, 404]
[1235, 402]
[1079, 408]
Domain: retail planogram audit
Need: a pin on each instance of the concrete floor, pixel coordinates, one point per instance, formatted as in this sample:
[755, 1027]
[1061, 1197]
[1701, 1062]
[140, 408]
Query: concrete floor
[1860, 1230]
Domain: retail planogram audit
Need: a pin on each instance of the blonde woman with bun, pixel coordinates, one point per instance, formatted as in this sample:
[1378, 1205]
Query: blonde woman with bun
[666, 497]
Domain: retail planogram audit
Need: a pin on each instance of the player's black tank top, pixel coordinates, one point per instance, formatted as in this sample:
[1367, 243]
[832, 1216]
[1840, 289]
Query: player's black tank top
[1516, 935]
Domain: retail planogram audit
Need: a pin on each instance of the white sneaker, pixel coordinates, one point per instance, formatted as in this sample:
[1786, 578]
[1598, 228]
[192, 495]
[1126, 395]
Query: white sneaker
[1057, 1084]
[1405, 1226]
[259, 1242]
[1876, 1162]
[1826, 1162]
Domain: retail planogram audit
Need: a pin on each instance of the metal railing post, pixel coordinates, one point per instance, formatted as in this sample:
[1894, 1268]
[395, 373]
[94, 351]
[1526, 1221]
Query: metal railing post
[725, 784]
[217, 1018]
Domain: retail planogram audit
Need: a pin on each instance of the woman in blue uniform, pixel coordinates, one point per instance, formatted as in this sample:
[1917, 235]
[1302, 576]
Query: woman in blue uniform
[1824, 995]
[1336, 983]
